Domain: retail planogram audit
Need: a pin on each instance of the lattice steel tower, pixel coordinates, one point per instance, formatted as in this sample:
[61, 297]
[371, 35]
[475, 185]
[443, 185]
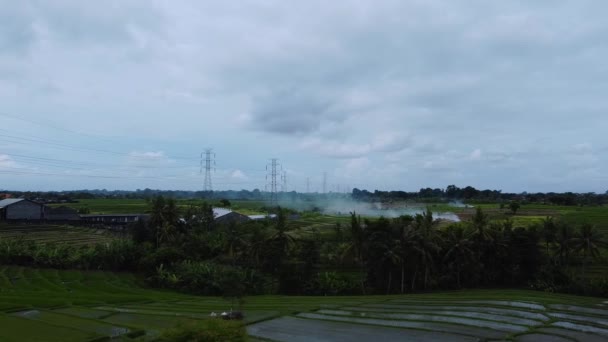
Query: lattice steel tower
[284, 180]
[208, 160]
[272, 173]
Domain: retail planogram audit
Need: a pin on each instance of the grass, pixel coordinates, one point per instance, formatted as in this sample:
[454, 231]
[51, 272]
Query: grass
[49, 233]
[80, 306]
[141, 206]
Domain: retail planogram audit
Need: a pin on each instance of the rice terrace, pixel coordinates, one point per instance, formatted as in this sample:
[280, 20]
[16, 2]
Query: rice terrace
[50, 305]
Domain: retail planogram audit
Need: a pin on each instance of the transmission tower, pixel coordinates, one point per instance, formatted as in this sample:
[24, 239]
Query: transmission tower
[208, 160]
[324, 182]
[272, 173]
[284, 180]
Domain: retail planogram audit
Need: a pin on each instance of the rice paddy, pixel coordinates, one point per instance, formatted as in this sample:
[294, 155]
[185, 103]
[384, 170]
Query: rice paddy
[53, 305]
[48, 233]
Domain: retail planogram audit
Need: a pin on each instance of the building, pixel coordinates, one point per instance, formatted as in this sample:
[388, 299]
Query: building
[62, 213]
[262, 217]
[226, 216]
[20, 209]
[113, 219]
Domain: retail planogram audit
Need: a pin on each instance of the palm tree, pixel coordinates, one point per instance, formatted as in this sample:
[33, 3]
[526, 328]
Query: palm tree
[588, 241]
[391, 257]
[480, 225]
[280, 242]
[459, 248]
[354, 248]
[426, 245]
[234, 241]
[357, 236]
[548, 231]
[564, 241]
[407, 236]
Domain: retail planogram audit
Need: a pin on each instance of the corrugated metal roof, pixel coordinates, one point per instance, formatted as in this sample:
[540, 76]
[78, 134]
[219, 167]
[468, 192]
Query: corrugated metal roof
[9, 201]
[112, 215]
[219, 212]
[262, 217]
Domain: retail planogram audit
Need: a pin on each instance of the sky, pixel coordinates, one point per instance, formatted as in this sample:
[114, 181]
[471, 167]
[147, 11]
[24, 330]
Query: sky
[388, 95]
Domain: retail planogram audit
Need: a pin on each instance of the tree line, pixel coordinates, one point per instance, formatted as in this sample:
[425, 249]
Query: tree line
[473, 195]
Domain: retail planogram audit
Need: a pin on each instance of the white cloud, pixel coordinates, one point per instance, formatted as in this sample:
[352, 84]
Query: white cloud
[238, 175]
[148, 155]
[475, 155]
[6, 162]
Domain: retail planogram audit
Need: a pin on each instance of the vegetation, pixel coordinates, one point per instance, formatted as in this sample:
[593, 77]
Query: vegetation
[211, 330]
[380, 256]
[183, 248]
[67, 305]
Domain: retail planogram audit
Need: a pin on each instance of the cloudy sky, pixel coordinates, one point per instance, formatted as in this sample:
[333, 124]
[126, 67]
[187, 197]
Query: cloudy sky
[509, 95]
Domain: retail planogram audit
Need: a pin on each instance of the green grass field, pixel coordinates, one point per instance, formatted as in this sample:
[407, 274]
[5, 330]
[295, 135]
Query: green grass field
[141, 206]
[52, 305]
[49, 233]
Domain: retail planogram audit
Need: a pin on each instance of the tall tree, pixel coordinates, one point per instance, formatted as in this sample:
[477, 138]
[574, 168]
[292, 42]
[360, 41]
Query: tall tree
[564, 240]
[548, 232]
[458, 250]
[588, 242]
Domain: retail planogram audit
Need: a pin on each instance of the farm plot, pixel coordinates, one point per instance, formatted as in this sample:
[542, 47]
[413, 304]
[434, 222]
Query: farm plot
[56, 234]
[53, 305]
[454, 318]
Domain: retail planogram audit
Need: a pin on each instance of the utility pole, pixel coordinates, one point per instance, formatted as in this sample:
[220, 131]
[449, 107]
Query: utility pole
[307, 185]
[208, 160]
[273, 181]
[324, 182]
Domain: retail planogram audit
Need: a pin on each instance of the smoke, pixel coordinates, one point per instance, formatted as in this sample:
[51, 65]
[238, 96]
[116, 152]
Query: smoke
[344, 206]
[459, 204]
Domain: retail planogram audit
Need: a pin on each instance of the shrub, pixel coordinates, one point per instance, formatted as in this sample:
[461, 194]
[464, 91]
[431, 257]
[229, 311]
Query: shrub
[212, 330]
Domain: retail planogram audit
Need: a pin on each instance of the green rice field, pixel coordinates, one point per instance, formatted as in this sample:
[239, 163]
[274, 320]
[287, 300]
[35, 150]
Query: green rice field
[48, 233]
[141, 206]
[52, 305]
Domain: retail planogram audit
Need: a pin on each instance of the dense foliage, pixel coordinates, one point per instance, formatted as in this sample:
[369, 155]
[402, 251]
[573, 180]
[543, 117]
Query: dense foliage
[188, 251]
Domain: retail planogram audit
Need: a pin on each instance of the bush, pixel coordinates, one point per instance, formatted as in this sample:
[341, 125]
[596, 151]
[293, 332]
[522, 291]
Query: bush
[212, 330]
[211, 279]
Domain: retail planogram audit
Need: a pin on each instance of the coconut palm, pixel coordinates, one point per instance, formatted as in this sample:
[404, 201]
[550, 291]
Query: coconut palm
[480, 222]
[407, 236]
[280, 242]
[564, 241]
[426, 245]
[548, 231]
[459, 248]
[588, 241]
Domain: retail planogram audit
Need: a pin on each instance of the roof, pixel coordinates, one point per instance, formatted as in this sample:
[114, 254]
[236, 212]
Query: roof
[113, 215]
[219, 212]
[10, 201]
[262, 217]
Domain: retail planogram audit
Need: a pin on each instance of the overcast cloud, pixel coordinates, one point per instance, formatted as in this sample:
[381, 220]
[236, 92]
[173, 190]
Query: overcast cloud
[125, 94]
